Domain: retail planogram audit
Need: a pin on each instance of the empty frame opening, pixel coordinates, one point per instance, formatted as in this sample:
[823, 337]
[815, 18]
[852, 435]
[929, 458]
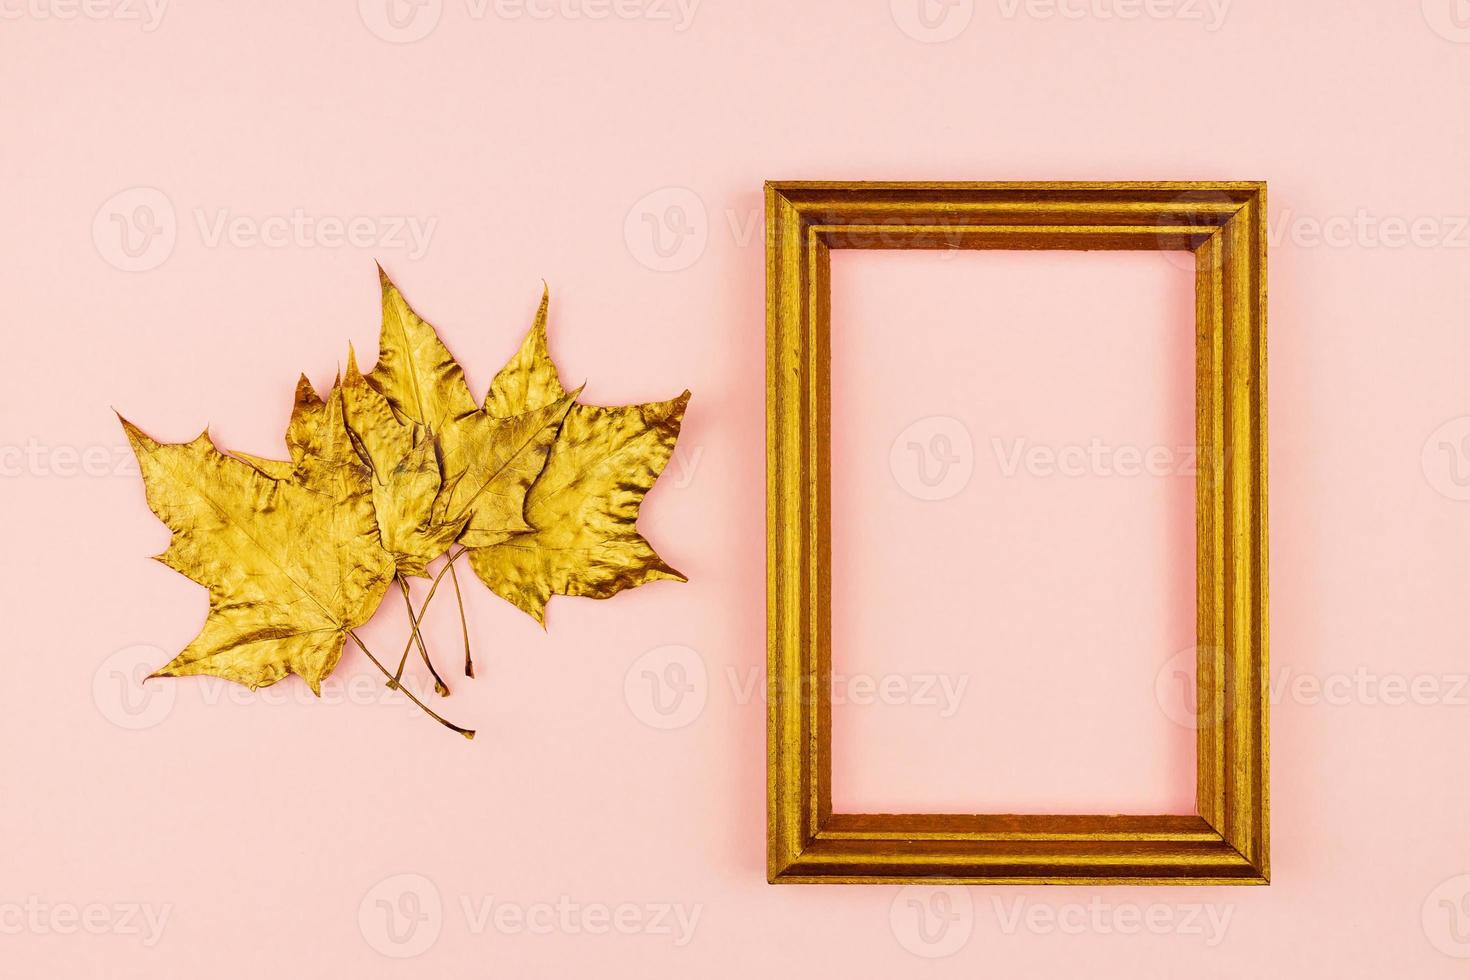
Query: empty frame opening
[1013, 551]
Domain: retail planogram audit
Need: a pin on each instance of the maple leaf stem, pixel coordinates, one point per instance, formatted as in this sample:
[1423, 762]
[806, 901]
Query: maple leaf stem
[464, 625]
[466, 732]
[408, 647]
[440, 688]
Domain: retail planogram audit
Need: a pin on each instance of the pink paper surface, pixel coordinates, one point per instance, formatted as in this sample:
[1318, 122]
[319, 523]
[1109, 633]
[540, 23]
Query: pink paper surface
[1013, 532]
[192, 204]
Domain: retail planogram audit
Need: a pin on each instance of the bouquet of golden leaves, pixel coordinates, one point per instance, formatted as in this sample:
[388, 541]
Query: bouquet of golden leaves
[393, 470]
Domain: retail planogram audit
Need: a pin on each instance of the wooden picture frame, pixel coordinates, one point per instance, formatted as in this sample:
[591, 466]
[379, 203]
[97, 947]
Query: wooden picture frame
[1227, 840]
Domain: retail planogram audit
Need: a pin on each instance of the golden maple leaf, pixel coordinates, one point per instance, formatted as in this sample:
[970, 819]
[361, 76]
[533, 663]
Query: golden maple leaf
[399, 456]
[488, 462]
[406, 478]
[583, 508]
[291, 564]
[415, 371]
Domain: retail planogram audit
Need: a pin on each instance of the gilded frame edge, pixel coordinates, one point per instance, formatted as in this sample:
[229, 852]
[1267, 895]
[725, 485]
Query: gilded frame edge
[1227, 840]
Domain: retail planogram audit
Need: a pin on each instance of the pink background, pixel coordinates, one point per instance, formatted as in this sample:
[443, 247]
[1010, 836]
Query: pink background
[1050, 588]
[353, 837]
